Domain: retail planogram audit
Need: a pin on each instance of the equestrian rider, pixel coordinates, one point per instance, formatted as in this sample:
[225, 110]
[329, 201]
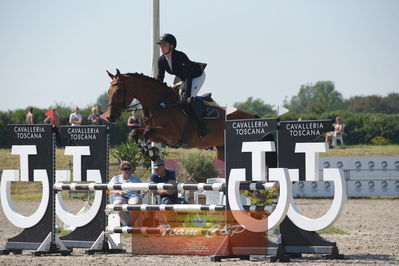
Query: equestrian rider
[190, 73]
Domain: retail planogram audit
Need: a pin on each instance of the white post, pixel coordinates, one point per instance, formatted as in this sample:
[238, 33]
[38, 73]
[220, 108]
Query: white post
[155, 34]
[154, 37]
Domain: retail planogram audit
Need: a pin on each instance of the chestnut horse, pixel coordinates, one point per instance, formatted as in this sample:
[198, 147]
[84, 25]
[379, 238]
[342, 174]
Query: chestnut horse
[164, 120]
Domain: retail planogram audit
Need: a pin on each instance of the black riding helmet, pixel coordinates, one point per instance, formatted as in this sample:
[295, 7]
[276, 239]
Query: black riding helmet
[169, 38]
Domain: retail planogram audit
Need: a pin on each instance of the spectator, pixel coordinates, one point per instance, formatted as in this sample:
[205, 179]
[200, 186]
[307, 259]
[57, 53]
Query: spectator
[133, 122]
[163, 175]
[75, 119]
[338, 129]
[99, 112]
[125, 196]
[94, 117]
[30, 118]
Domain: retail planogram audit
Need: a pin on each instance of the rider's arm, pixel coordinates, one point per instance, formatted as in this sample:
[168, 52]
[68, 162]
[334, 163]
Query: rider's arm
[185, 66]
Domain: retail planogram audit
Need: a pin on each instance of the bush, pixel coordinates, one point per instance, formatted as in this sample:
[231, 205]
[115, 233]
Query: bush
[262, 197]
[379, 140]
[197, 167]
[129, 152]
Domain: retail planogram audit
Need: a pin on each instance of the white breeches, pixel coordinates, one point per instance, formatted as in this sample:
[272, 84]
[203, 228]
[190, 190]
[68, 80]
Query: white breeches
[196, 84]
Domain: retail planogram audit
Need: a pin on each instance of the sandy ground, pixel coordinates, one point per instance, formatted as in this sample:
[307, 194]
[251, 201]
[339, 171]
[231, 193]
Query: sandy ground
[373, 225]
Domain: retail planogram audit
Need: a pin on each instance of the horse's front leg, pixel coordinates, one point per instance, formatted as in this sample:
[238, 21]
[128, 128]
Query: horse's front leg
[135, 134]
[162, 134]
[148, 131]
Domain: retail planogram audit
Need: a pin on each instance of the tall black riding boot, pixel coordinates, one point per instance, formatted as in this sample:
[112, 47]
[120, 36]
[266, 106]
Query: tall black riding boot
[197, 110]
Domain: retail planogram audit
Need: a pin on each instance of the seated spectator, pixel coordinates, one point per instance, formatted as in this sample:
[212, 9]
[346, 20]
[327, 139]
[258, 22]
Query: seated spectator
[94, 117]
[338, 130]
[75, 119]
[164, 175]
[30, 118]
[125, 196]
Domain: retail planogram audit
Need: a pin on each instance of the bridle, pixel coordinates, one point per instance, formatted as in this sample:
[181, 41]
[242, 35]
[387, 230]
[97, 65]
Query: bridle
[125, 106]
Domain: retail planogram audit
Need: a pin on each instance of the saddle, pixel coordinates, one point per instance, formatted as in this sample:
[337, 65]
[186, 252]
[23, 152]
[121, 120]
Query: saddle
[209, 107]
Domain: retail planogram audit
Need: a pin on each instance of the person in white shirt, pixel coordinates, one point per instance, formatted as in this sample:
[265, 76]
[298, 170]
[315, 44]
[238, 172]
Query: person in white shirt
[75, 119]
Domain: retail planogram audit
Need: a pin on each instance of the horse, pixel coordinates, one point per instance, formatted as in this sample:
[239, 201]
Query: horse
[164, 118]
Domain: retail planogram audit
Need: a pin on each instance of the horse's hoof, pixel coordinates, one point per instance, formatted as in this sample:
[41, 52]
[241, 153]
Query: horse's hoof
[153, 153]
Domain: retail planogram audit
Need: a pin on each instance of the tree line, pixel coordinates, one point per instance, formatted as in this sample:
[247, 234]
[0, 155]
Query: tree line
[322, 97]
[365, 117]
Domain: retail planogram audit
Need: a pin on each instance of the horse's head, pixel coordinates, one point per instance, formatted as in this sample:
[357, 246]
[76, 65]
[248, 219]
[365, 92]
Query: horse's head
[119, 98]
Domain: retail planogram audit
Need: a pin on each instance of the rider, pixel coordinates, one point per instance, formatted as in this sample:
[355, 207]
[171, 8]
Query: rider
[191, 73]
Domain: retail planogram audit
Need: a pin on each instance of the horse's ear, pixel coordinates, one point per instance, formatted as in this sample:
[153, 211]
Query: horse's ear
[110, 75]
[118, 73]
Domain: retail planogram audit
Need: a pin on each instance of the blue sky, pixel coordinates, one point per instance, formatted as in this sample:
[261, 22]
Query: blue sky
[58, 51]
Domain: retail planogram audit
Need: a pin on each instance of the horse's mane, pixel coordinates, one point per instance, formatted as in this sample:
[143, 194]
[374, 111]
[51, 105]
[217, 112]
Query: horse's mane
[141, 75]
[165, 89]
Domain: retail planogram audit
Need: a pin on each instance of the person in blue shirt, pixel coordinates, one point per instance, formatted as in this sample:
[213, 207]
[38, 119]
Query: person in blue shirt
[125, 196]
[164, 175]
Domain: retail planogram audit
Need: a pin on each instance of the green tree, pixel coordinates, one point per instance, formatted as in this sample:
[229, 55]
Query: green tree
[103, 101]
[256, 106]
[318, 98]
[374, 104]
[392, 103]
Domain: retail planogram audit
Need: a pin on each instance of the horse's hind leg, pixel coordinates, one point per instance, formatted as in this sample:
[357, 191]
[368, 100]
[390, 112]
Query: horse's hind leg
[220, 152]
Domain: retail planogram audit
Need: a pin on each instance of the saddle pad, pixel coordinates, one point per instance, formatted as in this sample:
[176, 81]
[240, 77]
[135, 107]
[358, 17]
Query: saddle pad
[211, 112]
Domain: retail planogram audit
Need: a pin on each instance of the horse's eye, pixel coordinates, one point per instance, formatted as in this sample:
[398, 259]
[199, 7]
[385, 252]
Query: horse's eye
[118, 92]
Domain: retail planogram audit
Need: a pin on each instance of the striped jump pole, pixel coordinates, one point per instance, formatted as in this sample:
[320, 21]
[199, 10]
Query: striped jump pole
[162, 186]
[178, 207]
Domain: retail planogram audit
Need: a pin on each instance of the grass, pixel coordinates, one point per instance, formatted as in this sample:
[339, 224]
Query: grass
[179, 153]
[363, 150]
[355, 150]
[63, 232]
[333, 230]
